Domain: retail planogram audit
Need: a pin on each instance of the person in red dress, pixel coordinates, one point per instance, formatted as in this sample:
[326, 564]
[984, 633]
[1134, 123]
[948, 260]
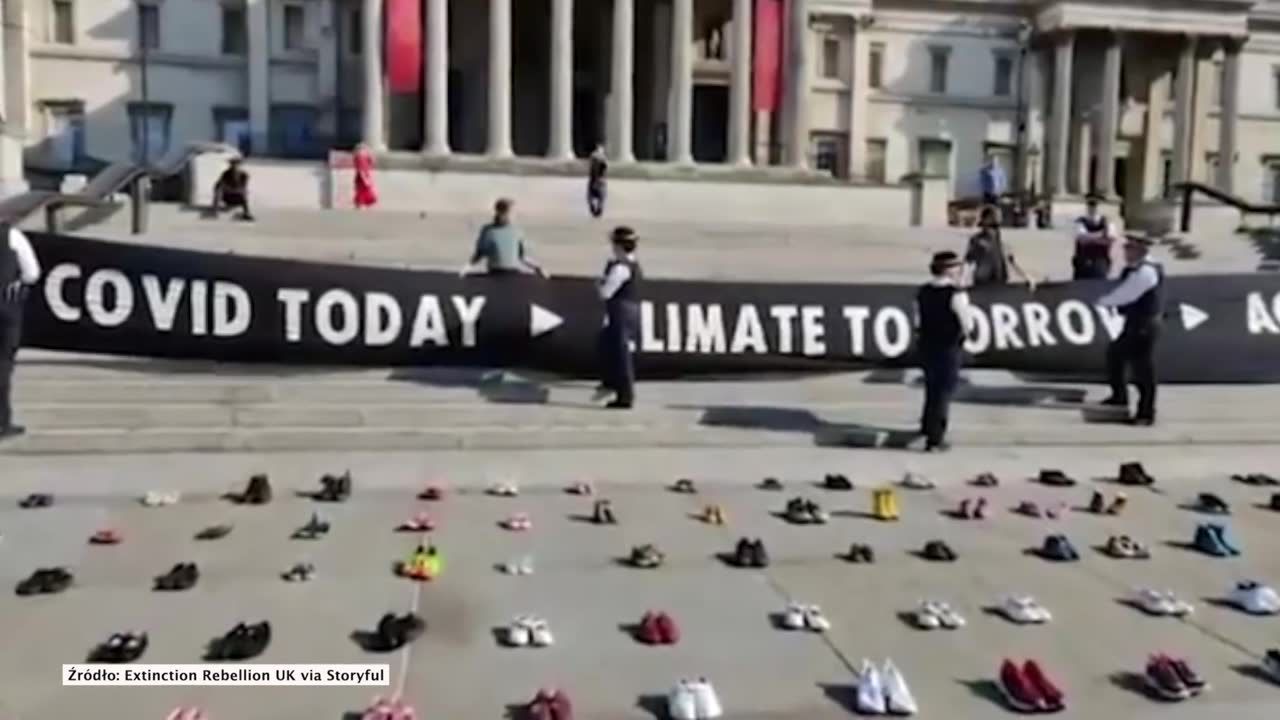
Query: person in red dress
[366, 195]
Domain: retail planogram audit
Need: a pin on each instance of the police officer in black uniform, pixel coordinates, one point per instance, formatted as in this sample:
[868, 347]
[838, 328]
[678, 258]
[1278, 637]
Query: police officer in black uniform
[1140, 299]
[19, 269]
[1094, 236]
[619, 289]
[945, 319]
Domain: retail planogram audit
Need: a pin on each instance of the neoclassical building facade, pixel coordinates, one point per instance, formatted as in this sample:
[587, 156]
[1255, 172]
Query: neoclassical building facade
[1070, 96]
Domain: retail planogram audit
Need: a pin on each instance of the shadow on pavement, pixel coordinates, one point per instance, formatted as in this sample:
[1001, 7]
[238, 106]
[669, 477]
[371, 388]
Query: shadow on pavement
[824, 433]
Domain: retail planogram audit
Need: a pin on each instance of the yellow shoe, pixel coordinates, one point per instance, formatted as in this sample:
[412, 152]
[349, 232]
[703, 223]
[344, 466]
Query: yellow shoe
[891, 501]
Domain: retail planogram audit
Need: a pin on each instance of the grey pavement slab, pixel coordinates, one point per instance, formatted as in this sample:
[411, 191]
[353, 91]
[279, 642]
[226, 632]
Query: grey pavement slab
[459, 670]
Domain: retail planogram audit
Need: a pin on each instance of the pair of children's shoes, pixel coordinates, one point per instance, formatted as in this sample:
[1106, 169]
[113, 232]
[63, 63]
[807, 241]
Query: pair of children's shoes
[693, 700]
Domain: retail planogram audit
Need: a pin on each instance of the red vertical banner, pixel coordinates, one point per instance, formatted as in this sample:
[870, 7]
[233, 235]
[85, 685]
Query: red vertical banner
[404, 45]
[767, 92]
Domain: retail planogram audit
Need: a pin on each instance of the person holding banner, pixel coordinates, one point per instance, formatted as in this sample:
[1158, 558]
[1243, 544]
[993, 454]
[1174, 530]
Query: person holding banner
[619, 290]
[1140, 299]
[19, 270]
[945, 320]
[500, 248]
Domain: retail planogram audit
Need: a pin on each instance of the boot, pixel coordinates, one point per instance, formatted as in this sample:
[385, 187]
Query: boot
[1098, 504]
[258, 492]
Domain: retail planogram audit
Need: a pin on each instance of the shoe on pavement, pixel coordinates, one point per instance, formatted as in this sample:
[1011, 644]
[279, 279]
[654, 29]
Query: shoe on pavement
[1018, 691]
[793, 617]
[916, 481]
[540, 633]
[1056, 478]
[897, 695]
[1117, 506]
[947, 616]
[814, 619]
[1163, 680]
[706, 700]
[668, 630]
[682, 702]
[1051, 696]
[870, 695]
[1208, 542]
[1271, 663]
[518, 632]
[1024, 610]
[759, 555]
[1225, 538]
[1097, 504]
[1132, 473]
[649, 632]
[938, 551]
[928, 616]
[1211, 503]
[1255, 598]
[836, 481]
[1187, 674]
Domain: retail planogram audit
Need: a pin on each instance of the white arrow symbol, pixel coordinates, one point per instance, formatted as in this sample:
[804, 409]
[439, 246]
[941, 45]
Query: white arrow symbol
[1192, 316]
[542, 320]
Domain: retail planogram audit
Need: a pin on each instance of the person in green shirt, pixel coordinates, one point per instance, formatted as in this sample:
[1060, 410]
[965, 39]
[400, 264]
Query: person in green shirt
[500, 247]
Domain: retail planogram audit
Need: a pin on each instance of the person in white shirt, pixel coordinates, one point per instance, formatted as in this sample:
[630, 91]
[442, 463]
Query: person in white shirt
[19, 270]
[1094, 236]
[619, 289]
[945, 320]
[1140, 298]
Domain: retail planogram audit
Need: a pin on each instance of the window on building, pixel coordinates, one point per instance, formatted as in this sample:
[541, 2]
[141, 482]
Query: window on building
[876, 150]
[295, 27]
[293, 131]
[63, 22]
[828, 153]
[355, 32]
[149, 128]
[831, 57]
[1271, 180]
[1003, 75]
[231, 127]
[64, 123]
[939, 60]
[935, 158]
[149, 25]
[1004, 155]
[875, 65]
[234, 38]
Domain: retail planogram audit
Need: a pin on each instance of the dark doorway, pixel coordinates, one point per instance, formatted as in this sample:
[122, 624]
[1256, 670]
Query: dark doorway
[456, 131]
[586, 124]
[710, 123]
[1120, 182]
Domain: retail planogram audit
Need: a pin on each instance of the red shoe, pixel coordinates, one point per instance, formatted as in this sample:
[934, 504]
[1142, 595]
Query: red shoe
[667, 628]
[1052, 699]
[1018, 690]
[105, 537]
[561, 708]
[432, 492]
[649, 632]
[541, 707]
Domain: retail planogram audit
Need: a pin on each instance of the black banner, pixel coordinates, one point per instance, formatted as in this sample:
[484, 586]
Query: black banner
[126, 299]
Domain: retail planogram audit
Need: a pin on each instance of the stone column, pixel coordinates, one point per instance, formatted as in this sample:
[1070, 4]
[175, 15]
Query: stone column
[681, 82]
[375, 133]
[259, 33]
[560, 144]
[859, 90]
[1153, 130]
[499, 79]
[797, 150]
[1109, 118]
[1229, 116]
[1201, 106]
[1060, 131]
[436, 113]
[1183, 111]
[13, 75]
[622, 81]
[740, 84]
[327, 69]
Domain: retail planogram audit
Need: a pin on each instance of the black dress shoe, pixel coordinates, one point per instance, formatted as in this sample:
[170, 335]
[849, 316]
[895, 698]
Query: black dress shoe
[619, 405]
[1115, 401]
[1142, 421]
[258, 491]
[12, 431]
[759, 556]
[743, 553]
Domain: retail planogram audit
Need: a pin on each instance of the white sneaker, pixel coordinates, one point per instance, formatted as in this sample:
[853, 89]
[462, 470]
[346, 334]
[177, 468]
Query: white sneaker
[706, 701]
[793, 618]
[927, 617]
[540, 633]
[870, 698]
[1024, 611]
[914, 481]
[1154, 602]
[898, 698]
[518, 634]
[1254, 598]
[948, 617]
[681, 703]
[1177, 606]
[815, 620]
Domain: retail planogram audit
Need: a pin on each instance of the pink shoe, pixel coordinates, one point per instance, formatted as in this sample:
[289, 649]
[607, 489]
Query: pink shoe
[518, 522]
[379, 710]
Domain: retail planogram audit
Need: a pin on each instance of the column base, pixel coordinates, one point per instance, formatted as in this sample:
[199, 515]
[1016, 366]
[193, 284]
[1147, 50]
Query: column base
[442, 151]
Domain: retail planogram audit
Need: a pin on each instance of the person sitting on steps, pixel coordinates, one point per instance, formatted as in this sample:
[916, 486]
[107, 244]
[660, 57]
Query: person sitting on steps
[232, 191]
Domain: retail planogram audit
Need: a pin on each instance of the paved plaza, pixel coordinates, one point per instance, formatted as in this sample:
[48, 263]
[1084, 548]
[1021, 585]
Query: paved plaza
[103, 431]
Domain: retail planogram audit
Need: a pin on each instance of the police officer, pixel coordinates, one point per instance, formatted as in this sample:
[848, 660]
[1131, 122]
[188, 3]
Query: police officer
[945, 319]
[1140, 299]
[19, 269]
[1094, 236]
[619, 289]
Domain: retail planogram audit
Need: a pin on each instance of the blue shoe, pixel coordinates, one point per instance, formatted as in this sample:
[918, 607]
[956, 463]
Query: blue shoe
[1224, 538]
[1208, 542]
